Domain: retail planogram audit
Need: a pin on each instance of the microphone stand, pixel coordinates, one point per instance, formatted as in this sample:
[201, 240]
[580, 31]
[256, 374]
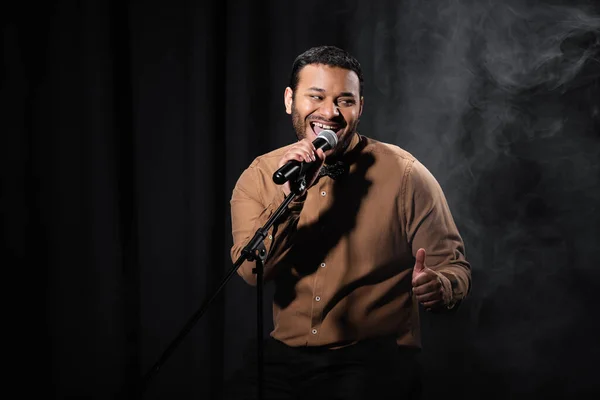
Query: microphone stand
[253, 251]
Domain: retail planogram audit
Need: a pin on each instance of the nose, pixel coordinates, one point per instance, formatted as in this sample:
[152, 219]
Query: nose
[329, 109]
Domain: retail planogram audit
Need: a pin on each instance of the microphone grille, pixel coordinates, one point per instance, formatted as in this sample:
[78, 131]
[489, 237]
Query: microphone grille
[330, 137]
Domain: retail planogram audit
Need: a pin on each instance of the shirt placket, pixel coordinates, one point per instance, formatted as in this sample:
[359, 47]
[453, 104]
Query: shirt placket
[318, 300]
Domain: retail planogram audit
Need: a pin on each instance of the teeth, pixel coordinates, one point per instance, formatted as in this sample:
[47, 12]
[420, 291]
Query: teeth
[323, 126]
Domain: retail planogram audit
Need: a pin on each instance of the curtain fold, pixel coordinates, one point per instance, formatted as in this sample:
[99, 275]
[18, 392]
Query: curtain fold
[125, 125]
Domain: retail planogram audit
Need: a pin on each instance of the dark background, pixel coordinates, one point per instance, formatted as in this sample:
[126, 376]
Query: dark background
[125, 125]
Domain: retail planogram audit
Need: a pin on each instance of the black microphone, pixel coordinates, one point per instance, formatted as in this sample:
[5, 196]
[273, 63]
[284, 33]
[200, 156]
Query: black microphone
[326, 140]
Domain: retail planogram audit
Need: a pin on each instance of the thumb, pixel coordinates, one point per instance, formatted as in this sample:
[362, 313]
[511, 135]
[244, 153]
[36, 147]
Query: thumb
[419, 262]
[315, 170]
[320, 156]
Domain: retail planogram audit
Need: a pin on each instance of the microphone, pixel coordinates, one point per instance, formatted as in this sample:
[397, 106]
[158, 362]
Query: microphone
[326, 140]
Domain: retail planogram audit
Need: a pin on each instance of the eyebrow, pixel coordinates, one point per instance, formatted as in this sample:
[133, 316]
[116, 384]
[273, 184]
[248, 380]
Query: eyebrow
[320, 90]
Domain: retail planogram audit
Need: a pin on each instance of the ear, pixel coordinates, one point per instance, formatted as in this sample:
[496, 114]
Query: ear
[362, 103]
[288, 99]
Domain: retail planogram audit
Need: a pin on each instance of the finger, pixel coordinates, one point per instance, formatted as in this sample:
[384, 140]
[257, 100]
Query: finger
[419, 264]
[320, 158]
[431, 304]
[299, 154]
[307, 144]
[307, 153]
[420, 260]
[320, 154]
[430, 296]
[289, 156]
[308, 148]
[426, 283]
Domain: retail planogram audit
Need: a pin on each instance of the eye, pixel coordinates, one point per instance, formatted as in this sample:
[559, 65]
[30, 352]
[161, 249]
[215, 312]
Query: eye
[346, 102]
[315, 97]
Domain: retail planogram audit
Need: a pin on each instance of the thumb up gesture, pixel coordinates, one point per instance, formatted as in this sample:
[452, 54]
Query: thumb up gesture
[426, 284]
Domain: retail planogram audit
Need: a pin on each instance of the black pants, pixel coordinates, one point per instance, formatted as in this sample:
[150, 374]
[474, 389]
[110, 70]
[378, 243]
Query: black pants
[374, 369]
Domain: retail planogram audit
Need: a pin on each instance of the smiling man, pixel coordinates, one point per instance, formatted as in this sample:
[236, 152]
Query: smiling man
[353, 256]
[332, 101]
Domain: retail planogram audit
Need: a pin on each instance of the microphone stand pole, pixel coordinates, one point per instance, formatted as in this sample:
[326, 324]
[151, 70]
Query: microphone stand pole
[253, 251]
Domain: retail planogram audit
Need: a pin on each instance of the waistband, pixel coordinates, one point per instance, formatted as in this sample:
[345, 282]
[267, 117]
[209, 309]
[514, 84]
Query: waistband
[379, 345]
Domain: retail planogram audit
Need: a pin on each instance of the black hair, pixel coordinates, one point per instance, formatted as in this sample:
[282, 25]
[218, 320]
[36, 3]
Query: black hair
[326, 55]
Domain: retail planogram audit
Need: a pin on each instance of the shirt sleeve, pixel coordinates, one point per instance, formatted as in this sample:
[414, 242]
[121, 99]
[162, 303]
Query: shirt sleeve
[250, 210]
[430, 226]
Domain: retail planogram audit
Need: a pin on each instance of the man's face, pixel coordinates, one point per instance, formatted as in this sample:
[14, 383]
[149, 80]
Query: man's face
[326, 98]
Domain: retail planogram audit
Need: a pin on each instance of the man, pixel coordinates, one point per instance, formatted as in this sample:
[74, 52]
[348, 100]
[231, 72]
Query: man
[353, 256]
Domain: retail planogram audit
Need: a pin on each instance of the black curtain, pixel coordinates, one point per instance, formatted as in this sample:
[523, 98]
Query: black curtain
[126, 124]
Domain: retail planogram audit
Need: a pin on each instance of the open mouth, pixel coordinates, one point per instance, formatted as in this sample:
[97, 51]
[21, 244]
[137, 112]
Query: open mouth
[318, 127]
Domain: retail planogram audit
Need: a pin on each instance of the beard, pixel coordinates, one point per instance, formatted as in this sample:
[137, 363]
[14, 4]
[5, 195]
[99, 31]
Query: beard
[300, 127]
[298, 123]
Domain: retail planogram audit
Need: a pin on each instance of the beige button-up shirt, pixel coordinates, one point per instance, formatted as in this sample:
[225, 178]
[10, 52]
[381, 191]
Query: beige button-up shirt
[342, 255]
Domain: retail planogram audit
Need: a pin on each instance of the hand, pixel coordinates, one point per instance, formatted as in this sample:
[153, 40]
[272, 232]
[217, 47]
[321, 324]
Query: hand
[305, 151]
[427, 285]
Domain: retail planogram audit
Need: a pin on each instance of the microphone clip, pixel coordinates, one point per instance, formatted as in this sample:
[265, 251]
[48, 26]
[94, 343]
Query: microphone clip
[298, 186]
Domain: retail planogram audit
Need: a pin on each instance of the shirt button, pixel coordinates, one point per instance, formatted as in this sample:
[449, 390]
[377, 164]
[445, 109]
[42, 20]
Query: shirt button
[318, 298]
[322, 265]
[314, 331]
[323, 193]
[270, 237]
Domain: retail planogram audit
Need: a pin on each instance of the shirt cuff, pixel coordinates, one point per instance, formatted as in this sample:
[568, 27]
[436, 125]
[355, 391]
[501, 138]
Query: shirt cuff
[450, 297]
